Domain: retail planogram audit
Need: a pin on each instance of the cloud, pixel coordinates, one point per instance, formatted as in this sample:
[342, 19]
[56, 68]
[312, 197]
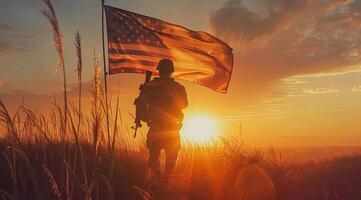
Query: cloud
[320, 90]
[295, 137]
[41, 102]
[282, 38]
[271, 108]
[234, 21]
[5, 45]
[13, 38]
[88, 87]
[356, 88]
[15, 98]
[337, 72]
[8, 28]
[356, 6]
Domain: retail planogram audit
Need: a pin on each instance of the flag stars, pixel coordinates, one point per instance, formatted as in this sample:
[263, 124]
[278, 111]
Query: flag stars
[135, 30]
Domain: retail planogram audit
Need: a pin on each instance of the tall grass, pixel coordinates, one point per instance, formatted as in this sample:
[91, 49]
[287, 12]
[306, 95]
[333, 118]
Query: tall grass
[96, 113]
[230, 170]
[79, 70]
[58, 41]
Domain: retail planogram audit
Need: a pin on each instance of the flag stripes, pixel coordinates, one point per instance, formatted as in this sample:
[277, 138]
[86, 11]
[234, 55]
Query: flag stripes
[136, 43]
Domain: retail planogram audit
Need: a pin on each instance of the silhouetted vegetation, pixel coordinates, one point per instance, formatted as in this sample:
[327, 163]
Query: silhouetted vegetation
[37, 165]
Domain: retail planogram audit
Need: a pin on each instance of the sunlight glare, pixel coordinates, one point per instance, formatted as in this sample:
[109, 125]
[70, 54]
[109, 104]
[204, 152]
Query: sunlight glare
[200, 129]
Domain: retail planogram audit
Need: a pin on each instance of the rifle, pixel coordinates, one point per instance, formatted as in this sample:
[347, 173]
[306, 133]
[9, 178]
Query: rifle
[140, 108]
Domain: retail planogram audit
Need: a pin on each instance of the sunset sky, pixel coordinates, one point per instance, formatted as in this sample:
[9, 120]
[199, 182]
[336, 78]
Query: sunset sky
[297, 70]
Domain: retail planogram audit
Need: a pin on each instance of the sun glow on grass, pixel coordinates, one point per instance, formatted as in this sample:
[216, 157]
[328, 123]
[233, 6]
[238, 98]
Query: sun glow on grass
[200, 129]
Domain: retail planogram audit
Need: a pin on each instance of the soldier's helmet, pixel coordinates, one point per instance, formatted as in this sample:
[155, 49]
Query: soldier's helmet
[165, 66]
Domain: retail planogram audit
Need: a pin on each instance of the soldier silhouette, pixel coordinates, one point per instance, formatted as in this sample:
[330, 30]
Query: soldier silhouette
[163, 99]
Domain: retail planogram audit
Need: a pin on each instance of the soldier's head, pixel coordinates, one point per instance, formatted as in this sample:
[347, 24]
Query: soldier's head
[165, 68]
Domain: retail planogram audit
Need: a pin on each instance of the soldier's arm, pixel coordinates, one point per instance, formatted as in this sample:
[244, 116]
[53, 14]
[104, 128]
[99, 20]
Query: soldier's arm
[144, 95]
[184, 99]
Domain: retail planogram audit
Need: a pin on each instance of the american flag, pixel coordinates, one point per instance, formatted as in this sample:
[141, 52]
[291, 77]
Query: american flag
[136, 43]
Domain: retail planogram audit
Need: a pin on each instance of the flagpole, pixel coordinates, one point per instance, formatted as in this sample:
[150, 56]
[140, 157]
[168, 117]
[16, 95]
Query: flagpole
[105, 78]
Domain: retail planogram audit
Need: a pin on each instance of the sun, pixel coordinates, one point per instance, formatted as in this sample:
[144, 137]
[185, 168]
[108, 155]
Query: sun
[200, 129]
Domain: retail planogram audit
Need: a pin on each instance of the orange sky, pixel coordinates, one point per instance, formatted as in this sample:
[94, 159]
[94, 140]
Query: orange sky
[296, 78]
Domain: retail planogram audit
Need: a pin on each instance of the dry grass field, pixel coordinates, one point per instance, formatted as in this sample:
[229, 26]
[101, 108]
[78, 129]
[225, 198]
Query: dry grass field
[39, 160]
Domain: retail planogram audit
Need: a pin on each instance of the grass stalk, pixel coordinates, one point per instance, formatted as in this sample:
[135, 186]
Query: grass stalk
[96, 112]
[80, 149]
[79, 70]
[58, 40]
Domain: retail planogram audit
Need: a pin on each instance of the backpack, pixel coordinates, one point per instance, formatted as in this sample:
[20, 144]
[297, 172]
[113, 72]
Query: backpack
[165, 99]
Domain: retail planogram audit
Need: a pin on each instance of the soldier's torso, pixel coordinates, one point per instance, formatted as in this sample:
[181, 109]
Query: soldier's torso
[164, 102]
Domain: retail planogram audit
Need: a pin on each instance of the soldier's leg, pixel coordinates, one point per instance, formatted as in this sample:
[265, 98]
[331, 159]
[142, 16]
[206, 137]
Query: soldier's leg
[154, 152]
[171, 152]
[153, 161]
[171, 156]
